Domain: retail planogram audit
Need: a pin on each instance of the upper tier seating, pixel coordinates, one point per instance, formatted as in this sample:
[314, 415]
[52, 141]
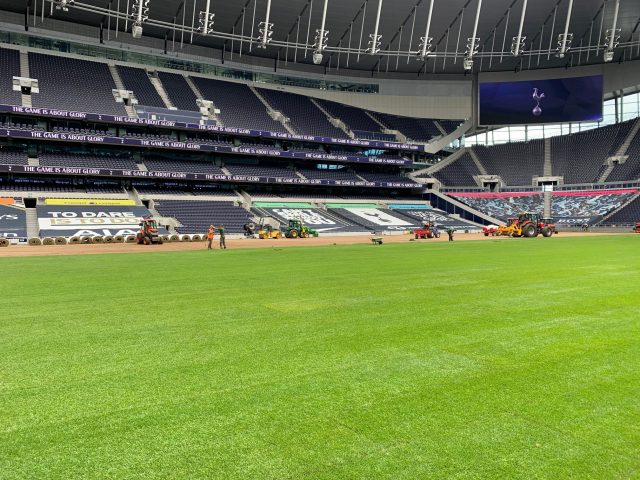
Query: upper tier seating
[196, 216]
[9, 68]
[503, 207]
[86, 160]
[354, 118]
[137, 80]
[179, 91]
[578, 157]
[239, 106]
[419, 129]
[304, 116]
[630, 170]
[260, 170]
[516, 163]
[459, 173]
[71, 84]
[190, 166]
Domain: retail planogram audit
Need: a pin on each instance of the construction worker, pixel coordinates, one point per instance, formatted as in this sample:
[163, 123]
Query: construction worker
[223, 245]
[210, 233]
[450, 233]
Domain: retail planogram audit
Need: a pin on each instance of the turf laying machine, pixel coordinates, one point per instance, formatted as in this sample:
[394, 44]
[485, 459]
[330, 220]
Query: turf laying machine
[148, 233]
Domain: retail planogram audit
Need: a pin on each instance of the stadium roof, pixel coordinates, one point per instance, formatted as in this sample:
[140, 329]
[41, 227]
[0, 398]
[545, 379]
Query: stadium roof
[401, 24]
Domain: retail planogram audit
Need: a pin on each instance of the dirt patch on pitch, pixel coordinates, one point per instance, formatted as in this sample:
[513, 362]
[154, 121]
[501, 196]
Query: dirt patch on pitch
[105, 248]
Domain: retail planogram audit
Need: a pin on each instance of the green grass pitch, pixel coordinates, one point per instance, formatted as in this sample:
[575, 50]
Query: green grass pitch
[514, 359]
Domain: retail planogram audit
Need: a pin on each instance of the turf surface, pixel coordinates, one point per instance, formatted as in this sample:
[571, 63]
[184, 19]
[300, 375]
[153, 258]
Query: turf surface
[494, 359]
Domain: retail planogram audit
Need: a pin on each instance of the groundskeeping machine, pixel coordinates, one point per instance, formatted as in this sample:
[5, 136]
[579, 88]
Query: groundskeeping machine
[531, 225]
[148, 233]
[269, 227]
[295, 229]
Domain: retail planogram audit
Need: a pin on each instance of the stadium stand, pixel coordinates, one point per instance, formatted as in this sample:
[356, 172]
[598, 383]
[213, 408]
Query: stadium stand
[629, 215]
[419, 129]
[356, 119]
[137, 80]
[13, 156]
[71, 84]
[86, 160]
[260, 170]
[9, 68]
[170, 165]
[459, 173]
[630, 170]
[329, 174]
[374, 219]
[196, 216]
[304, 116]
[178, 91]
[13, 222]
[578, 157]
[320, 220]
[516, 163]
[239, 106]
[384, 177]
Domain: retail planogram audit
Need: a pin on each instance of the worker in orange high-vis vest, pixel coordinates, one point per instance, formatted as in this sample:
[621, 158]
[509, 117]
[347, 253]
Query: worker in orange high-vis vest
[210, 233]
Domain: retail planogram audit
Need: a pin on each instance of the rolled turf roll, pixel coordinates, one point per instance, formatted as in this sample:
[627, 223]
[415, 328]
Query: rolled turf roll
[74, 240]
[4, 242]
[118, 239]
[48, 241]
[35, 241]
[98, 239]
[60, 241]
[108, 239]
[196, 238]
[130, 239]
[86, 240]
[174, 238]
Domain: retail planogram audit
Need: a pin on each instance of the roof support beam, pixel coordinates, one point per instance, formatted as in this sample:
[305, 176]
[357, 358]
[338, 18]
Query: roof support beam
[518, 40]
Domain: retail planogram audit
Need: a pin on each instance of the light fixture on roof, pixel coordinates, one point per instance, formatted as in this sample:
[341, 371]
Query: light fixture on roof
[612, 38]
[564, 44]
[206, 19]
[322, 37]
[565, 39]
[374, 38]
[140, 14]
[517, 45]
[265, 29]
[64, 4]
[425, 42]
[473, 43]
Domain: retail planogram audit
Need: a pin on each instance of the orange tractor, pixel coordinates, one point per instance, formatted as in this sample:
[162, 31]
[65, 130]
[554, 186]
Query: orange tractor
[637, 228]
[148, 233]
[428, 230]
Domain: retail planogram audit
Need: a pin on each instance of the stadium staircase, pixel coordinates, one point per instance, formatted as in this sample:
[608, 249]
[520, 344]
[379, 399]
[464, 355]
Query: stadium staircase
[621, 207]
[194, 88]
[547, 169]
[439, 127]
[336, 122]
[621, 154]
[131, 112]
[157, 83]
[273, 113]
[627, 141]
[477, 161]
[464, 206]
[33, 228]
[438, 166]
[24, 72]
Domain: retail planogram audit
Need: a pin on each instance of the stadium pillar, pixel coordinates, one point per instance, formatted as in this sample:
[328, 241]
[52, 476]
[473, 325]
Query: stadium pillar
[547, 204]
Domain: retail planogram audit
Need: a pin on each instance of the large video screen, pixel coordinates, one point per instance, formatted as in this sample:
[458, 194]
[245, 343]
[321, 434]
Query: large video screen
[575, 99]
